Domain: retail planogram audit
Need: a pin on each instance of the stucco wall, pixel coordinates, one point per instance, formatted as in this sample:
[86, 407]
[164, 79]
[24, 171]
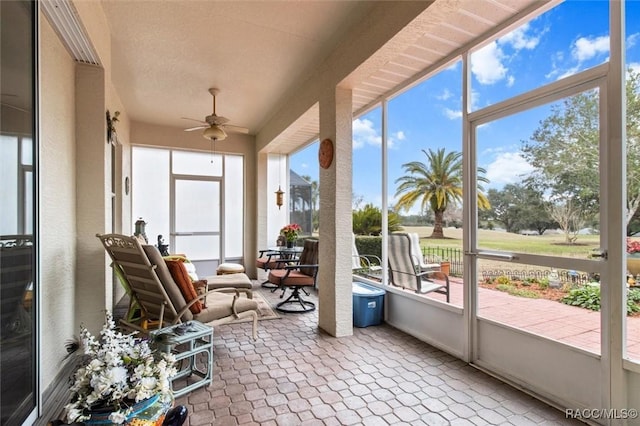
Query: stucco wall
[57, 201]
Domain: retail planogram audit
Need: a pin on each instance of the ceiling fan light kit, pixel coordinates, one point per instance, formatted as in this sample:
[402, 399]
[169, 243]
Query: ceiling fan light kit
[214, 124]
[214, 133]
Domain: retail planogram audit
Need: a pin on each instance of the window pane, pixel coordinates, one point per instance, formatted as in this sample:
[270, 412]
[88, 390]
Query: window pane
[530, 298]
[234, 205]
[150, 191]
[9, 188]
[197, 206]
[303, 197]
[367, 164]
[28, 202]
[26, 151]
[558, 48]
[197, 163]
[199, 247]
[543, 179]
[425, 163]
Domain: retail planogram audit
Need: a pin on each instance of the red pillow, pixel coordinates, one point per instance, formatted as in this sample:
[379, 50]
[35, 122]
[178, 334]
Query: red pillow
[181, 277]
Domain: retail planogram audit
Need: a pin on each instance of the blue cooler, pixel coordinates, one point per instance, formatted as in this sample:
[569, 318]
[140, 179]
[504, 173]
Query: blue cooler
[368, 304]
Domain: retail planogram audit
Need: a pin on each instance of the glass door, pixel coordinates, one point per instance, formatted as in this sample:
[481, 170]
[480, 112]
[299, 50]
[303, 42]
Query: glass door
[18, 173]
[197, 220]
[538, 280]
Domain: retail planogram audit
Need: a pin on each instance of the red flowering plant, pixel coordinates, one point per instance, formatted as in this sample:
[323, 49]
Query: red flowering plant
[633, 246]
[291, 231]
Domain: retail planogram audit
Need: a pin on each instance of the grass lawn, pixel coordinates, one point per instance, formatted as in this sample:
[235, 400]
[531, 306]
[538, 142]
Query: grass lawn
[552, 245]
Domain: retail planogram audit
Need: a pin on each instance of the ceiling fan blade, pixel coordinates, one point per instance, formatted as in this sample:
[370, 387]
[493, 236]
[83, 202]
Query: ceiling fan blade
[193, 119]
[191, 129]
[236, 129]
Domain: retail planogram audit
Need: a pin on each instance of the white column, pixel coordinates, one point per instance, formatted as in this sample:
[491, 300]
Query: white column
[335, 314]
[94, 289]
[613, 190]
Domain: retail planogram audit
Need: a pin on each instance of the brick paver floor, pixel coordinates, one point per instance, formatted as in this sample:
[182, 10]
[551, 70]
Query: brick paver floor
[295, 374]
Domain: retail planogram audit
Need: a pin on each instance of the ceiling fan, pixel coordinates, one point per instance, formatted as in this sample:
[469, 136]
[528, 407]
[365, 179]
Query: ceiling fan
[215, 126]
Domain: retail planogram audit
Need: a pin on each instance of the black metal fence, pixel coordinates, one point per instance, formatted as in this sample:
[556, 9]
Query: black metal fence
[454, 257]
[445, 254]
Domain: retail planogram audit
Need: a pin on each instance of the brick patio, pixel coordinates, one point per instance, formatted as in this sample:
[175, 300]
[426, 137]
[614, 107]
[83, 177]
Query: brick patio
[295, 374]
[569, 324]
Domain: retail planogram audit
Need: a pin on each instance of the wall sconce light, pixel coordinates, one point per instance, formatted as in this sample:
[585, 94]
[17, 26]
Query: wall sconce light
[279, 197]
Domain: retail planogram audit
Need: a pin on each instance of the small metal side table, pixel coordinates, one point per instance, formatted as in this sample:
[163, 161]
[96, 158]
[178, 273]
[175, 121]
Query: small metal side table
[187, 341]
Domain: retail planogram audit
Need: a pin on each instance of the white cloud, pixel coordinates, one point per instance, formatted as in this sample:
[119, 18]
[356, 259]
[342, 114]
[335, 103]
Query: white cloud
[507, 167]
[304, 165]
[446, 94]
[486, 64]
[587, 48]
[635, 66]
[452, 114]
[632, 40]
[364, 133]
[519, 39]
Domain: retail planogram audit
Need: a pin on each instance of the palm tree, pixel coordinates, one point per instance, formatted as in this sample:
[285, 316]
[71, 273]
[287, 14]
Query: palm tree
[437, 183]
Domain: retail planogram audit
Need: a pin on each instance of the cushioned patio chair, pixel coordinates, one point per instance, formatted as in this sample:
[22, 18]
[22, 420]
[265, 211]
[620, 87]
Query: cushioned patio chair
[404, 273]
[160, 297]
[297, 275]
[416, 253]
[364, 263]
[268, 259]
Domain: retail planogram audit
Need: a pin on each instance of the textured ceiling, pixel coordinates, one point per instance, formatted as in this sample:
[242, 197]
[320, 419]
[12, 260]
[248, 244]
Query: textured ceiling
[166, 54]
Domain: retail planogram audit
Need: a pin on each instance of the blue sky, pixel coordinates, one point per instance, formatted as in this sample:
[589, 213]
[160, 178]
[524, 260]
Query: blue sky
[569, 38]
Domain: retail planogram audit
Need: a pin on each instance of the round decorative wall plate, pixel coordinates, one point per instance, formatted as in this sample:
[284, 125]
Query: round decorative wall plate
[325, 153]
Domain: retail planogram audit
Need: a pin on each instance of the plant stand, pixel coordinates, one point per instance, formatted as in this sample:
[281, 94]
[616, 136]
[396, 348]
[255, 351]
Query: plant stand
[190, 340]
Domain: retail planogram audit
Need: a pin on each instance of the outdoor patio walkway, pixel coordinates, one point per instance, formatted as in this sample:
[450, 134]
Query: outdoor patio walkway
[569, 324]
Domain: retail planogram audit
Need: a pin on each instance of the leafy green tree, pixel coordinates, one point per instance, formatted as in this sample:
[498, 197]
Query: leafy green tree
[518, 207]
[564, 150]
[368, 221]
[504, 207]
[436, 183]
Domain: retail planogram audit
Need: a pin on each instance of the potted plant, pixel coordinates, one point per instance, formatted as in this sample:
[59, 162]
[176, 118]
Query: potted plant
[290, 233]
[633, 257]
[119, 376]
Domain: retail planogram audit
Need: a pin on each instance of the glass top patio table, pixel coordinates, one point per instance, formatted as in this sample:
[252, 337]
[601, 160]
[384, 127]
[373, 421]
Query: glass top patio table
[286, 250]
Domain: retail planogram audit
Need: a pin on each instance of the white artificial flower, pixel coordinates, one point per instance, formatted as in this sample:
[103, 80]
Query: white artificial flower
[95, 365]
[117, 367]
[118, 417]
[117, 375]
[148, 383]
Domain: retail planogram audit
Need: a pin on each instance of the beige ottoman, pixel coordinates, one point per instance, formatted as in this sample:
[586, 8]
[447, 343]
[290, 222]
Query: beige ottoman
[238, 281]
[229, 268]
